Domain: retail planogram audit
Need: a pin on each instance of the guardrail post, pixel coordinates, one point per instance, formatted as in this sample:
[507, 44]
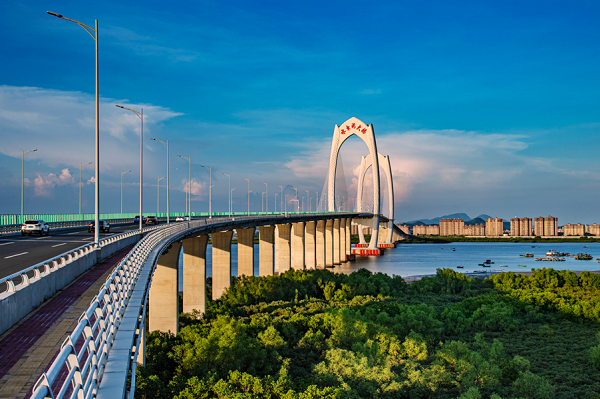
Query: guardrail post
[164, 292]
[194, 274]
[221, 262]
[266, 261]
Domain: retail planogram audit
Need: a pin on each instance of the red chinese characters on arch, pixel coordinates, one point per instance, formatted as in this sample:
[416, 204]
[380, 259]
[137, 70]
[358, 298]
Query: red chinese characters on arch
[359, 128]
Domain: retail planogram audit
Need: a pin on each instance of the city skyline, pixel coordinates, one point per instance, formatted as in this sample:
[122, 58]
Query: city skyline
[484, 108]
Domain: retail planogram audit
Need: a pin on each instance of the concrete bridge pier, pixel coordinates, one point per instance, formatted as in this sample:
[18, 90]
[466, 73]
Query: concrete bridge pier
[221, 262]
[348, 236]
[336, 241]
[310, 253]
[343, 241]
[163, 298]
[297, 246]
[282, 248]
[329, 243]
[194, 274]
[246, 251]
[320, 244]
[266, 260]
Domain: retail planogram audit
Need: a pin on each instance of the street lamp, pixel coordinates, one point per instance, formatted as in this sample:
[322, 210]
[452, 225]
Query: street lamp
[209, 191]
[141, 116]
[297, 204]
[286, 203]
[189, 159]
[296, 194]
[281, 197]
[23, 153]
[267, 197]
[229, 191]
[97, 155]
[168, 186]
[158, 194]
[317, 201]
[122, 173]
[308, 199]
[276, 194]
[230, 201]
[248, 180]
[80, 166]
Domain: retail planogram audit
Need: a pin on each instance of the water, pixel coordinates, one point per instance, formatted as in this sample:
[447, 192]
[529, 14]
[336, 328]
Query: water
[423, 259]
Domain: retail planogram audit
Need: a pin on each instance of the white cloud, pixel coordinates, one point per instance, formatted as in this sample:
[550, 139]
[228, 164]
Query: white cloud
[61, 125]
[197, 188]
[43, 185]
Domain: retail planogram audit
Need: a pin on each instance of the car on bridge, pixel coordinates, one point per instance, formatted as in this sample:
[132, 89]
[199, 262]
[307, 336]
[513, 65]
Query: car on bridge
[35, 226]
[179, 219]
[151, 220]
[104, 226]
[136, 219]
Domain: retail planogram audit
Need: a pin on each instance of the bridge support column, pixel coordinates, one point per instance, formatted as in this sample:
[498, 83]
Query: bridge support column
[164, 296]
[221, 262]
[336, 241]
[329, 243]
[266, 238]
[349, 236]
[310, 253]
[282, 248]
[320, 244]
[343, 240]
[246, 251]
[194, 274]
[297, 246]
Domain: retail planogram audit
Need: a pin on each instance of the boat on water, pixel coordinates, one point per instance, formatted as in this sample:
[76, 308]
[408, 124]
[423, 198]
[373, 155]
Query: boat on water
[585, 246]
[522, 265]
[488, 262]
[487, 265]
[460, 267]
[584, 257]
[551, 253]
[527, 255]
[503, 265]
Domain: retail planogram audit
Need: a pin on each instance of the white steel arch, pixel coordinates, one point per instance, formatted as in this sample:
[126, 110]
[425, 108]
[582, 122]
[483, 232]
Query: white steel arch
[355, 126]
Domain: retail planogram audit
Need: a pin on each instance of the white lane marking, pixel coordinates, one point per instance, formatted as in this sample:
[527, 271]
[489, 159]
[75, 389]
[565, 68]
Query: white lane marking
[12, 256]
[90, 238]
[41, 238]
[6, 243]
[58, 245]
[77, 232]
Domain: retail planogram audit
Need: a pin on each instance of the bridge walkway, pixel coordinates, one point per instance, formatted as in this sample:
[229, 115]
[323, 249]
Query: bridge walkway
[27, 348]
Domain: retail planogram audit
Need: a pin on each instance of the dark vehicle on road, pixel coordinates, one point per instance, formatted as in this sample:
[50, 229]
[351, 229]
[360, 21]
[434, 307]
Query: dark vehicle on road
[104, 227]
[151, 220]
[136, 219]
[35, 226]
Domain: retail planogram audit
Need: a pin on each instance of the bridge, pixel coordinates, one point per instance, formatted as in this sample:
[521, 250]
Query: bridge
[99, 357]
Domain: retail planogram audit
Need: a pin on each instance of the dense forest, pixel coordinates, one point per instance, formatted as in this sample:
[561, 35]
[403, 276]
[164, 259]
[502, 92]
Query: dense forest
[316, 334]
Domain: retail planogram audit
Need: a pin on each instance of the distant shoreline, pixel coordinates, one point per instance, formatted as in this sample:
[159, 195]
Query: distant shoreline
[537, 240]
[484, 274]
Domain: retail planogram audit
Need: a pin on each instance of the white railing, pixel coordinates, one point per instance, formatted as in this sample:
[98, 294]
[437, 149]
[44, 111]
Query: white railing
[119, 307]
[23, 278]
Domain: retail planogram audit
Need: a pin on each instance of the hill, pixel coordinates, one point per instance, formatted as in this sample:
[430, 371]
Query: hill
[436, 220]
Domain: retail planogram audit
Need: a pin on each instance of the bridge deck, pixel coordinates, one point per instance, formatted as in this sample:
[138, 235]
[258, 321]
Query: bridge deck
[29, 347]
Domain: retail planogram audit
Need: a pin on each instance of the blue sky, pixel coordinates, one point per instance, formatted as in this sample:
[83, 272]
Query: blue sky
[483, 107]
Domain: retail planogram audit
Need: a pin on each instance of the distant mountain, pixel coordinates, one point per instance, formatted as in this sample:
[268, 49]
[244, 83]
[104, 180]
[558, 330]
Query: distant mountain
[477, 220]
[484, 217]
[462, 216]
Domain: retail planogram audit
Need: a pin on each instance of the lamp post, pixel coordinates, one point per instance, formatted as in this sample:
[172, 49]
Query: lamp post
[141, 116]
[286, 203]
[168, 186]
[189, 159]
[80, 166]
[276, 194]
[308, 199]
[281, 198]
[229, 192]
[23, 153]
[209, 191]
[296, 195]
[267, 197]
[262, 201]
[248, 180]
[158, 194]
[317, 201]
[231, 200]
[297, 203]
[97, 155]
[122, 173]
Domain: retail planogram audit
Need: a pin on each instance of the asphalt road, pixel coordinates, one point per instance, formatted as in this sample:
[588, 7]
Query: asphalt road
[20, 252]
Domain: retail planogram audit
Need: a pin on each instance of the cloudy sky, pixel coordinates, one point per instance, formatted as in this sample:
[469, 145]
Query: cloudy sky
[483, 107]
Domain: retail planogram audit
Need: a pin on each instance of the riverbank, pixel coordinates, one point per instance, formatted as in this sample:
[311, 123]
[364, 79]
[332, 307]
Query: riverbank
[541, 240]
[484, 274]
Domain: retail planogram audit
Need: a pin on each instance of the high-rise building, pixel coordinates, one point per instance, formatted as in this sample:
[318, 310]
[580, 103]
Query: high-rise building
[546, 226]
[452, 227]
[421, 230]
[574, 229]
[520, 227]
[475, 229]
[494, 227]
[593, 229]
[404, 228]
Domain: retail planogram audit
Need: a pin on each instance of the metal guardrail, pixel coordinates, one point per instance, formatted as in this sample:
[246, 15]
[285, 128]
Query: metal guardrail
[16, 281]
[82, 361]
[16, 228]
